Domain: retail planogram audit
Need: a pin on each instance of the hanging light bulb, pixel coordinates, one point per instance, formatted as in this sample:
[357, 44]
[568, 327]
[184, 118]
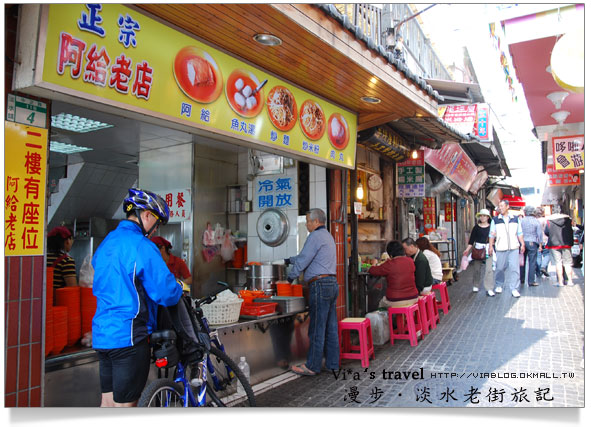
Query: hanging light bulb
[414, 154]
[359, 192]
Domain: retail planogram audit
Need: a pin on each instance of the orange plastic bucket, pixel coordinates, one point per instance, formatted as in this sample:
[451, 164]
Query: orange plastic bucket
[70, 297]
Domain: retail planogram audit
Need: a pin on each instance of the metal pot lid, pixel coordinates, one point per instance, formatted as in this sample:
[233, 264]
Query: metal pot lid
[273, 227]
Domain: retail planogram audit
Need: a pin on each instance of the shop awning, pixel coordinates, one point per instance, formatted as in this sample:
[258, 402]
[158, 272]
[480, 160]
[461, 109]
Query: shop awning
[489, 155]
[431, 132]
[505, 192]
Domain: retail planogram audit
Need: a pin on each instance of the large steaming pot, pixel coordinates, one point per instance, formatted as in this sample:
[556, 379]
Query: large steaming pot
[263, 277]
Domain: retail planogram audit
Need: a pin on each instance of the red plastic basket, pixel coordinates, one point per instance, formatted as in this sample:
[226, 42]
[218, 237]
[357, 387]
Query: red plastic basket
[258, 308]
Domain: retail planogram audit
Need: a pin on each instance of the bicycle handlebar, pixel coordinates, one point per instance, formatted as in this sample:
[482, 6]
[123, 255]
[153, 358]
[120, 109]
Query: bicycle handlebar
[211, 297]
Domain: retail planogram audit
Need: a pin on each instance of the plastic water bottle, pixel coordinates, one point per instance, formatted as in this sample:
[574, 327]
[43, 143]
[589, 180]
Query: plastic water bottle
[243, 366]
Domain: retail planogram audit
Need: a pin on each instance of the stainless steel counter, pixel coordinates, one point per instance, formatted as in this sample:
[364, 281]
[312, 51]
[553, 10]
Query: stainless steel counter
[268, 343]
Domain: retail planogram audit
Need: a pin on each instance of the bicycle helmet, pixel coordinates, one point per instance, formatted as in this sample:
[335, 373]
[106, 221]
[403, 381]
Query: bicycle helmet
[142, 200]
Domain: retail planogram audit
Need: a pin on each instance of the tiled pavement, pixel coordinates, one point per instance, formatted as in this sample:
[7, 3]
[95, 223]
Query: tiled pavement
[530, 343]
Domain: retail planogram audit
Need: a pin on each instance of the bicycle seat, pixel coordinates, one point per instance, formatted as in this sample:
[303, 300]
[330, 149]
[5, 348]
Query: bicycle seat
[164, 335]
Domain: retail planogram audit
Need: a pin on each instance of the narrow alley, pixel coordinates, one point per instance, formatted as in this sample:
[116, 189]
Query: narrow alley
[533, 345]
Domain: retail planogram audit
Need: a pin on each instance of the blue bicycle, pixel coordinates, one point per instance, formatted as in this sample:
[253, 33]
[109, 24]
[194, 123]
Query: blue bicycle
[218, 374]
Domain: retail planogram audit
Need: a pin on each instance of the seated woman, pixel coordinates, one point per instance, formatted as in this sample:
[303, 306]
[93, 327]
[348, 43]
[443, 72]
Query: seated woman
[434, 258]
[400, 275]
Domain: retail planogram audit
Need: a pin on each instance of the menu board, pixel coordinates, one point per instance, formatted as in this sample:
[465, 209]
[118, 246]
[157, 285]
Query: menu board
[115, 55]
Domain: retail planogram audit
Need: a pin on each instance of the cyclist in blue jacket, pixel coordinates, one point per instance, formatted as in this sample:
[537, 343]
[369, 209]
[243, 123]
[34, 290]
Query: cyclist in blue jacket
[130, 280]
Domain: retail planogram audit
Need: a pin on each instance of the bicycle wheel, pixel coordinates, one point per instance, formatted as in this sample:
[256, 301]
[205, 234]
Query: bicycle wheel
[224, 394]
[162, 393]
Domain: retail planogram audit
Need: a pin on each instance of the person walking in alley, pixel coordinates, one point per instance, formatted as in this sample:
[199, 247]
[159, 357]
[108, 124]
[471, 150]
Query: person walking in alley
[544, 254]
[481, 268]
[318, 261]
[533, 238]
[507, 238]
[560, 240]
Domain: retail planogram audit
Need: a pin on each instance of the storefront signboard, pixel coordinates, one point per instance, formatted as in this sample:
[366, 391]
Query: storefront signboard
[560, 178]
[429, 214]
[479, 181]
[115, 55]
[410, 177]
[179, 202]
[274, 192]
[471, 119]
[26, 111]
[569, 152]
[454, 163]
[385, 141]
[25, 160]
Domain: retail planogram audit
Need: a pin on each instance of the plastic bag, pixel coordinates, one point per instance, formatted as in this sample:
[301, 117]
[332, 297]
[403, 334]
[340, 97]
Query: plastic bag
[521, 259]
[464, 263]
[209, 253]
[208, 236]
[86, 272]
[228, 247]
[218, 234]
[380, 328]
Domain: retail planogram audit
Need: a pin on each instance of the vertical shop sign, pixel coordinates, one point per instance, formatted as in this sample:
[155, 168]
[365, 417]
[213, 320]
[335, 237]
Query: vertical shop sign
[274, 193]
[569, 152]
[429, 214]
[410, 177]
[179, 203]
[448, 211]
[25, 154]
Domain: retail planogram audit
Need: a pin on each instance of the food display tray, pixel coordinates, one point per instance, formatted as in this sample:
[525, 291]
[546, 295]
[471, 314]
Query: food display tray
[286, 305]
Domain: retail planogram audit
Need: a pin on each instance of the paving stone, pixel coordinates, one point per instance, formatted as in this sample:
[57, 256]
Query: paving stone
[487, 345]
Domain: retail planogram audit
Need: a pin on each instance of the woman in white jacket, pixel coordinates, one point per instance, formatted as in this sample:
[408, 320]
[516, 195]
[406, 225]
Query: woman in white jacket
[434, 258]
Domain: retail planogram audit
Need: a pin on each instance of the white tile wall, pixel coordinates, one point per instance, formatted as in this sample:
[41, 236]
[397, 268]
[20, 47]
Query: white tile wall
[280, 252]
[252, 224]
[291, 246]
[254, 249]
[266, 253]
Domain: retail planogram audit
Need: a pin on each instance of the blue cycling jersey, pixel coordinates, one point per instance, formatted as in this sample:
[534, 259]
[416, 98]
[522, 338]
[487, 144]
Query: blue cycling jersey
[130, 280]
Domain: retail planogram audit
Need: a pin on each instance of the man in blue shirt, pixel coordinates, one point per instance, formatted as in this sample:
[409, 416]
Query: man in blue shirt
[318, 261]
[130, 280]
[533, 238]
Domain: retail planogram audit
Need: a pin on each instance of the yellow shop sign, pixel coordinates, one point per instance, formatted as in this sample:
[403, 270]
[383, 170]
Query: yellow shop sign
[116, 55]
[25, 154]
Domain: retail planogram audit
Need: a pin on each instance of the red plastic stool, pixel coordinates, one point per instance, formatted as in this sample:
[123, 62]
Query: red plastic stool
[426, 314]
[407, 327]
[443, 303]
[432, 310]
[365, 348]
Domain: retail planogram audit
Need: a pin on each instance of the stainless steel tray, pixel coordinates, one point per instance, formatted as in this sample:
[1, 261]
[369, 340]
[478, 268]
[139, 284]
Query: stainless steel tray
[286, 304]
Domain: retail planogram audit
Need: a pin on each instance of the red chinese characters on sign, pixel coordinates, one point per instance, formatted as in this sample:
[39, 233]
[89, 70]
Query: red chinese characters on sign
[24, 189]
[98, 70]
[179, 204]
[429, 214]
[462, 117]
[70, 53]
[449, 211]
